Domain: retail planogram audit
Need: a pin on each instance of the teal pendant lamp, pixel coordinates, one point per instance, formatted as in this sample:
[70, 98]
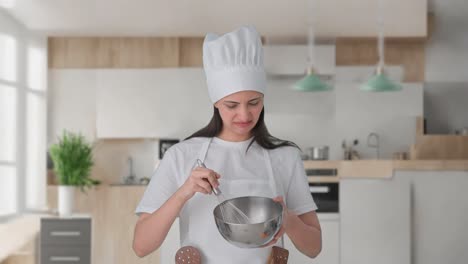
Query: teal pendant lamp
[379, 82]
[311, 82]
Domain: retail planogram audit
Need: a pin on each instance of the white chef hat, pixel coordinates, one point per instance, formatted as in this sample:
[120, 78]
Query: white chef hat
[233, 62]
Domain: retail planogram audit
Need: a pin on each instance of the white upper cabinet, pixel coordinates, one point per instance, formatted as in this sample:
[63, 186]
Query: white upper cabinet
[153, 103]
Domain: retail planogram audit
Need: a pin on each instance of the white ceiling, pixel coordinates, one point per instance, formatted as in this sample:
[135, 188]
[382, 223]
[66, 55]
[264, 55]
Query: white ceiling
[197, 17]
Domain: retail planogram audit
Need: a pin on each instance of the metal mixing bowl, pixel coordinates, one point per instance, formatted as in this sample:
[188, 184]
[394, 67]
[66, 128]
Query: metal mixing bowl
[265, 215]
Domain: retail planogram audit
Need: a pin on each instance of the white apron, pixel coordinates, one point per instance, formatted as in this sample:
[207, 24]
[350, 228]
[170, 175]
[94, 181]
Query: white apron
[197, 225]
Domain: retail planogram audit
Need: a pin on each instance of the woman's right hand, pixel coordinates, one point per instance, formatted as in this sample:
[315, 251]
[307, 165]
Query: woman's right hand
[201, 180]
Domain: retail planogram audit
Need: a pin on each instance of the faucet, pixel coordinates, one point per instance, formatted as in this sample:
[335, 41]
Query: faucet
[374, 137]
[130, 179]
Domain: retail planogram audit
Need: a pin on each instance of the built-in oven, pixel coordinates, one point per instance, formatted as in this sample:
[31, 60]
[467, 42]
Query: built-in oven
[325, 195]
[326, 191]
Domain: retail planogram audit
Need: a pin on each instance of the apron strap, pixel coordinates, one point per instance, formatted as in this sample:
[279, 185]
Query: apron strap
[276, 185]
[204, 151]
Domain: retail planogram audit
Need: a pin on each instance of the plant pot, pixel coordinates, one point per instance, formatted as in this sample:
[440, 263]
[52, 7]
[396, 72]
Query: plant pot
[66, 199]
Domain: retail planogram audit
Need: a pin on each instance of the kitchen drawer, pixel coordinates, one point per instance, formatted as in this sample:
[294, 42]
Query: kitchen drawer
[65, 231]
[65, 255]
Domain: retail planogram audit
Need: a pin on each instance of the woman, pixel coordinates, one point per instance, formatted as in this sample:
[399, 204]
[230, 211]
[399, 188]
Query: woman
[241, 157]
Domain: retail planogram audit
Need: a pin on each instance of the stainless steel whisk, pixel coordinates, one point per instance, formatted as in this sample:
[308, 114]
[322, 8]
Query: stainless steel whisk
[235, 214]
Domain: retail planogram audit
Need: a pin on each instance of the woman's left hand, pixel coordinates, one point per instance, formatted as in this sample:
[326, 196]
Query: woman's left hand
[286, 215]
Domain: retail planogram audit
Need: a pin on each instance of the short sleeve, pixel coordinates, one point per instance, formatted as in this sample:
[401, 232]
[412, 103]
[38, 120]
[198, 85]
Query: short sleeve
[298, 197]
[162, 185]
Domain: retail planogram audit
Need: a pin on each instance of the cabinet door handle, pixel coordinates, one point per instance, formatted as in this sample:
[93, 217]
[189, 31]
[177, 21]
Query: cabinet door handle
[319, 189]
[64, 258]
[65, 233]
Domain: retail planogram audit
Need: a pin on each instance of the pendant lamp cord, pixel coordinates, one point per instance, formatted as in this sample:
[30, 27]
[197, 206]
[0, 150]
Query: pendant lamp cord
[310, 35]
[380, 22]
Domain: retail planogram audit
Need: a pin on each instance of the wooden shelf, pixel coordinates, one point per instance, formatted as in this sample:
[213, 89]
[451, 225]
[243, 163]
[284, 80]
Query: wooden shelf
[438, 147]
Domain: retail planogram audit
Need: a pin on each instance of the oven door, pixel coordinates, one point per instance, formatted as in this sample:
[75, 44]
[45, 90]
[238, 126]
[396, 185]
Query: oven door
[325, 196]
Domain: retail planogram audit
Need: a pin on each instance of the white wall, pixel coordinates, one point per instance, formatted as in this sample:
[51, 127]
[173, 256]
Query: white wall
[391, 115]
[447, 49]
[445, 105]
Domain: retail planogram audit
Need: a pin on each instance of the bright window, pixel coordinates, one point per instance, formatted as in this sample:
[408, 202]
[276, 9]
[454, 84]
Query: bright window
[37, 65]
[8, 187]
[8, 55]
[35, 150]
[7, 124]
[7, 3]
[23, 71]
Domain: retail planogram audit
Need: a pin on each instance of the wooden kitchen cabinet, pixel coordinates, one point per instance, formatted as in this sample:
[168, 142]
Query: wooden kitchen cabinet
[375, 221]
[119, 225]
[152, 103]
[113, 52]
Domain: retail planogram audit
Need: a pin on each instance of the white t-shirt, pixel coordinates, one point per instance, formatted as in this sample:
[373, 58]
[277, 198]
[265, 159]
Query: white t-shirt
[234, 164]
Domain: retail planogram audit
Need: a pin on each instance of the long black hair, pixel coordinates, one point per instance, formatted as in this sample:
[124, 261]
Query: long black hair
[260, 132]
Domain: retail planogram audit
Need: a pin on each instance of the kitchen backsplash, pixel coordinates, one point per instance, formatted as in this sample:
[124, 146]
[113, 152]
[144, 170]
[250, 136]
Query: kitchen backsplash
[327, 118]
[111, 159]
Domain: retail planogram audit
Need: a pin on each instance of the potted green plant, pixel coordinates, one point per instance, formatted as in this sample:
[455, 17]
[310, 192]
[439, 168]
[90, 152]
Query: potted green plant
[73, 159]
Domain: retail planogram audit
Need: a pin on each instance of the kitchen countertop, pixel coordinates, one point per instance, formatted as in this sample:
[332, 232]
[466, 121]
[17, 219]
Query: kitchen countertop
[365, 168]
[379, 168]
[17, 233]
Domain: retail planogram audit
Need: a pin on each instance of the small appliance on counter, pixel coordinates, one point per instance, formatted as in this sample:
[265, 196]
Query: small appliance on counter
[144, 180]
[462, 131]
[349, 153]
[400, 155]
[318, 153]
